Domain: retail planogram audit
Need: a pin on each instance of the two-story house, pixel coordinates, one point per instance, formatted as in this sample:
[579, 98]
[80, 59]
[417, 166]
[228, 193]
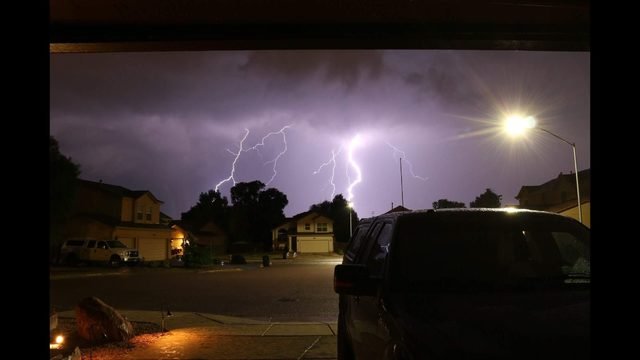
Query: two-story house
[307, 232]
[559, 195]
[111, 212]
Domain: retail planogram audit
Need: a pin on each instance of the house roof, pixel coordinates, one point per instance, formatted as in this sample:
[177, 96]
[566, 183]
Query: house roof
[118, 190]
[192, 228]
[584, 177]
[310, 212]
[397, 209]
[293, 220]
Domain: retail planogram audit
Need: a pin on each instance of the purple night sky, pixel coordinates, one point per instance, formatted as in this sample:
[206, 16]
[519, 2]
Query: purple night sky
[172, 123]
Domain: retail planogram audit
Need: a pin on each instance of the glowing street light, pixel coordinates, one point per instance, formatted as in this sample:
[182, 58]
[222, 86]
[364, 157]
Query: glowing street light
[350, 206]
[516, 125]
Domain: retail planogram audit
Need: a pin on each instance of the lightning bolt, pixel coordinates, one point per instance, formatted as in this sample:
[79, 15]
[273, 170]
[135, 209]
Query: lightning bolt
[355, 142]
[333, 169]
[256, 147]
[235, 160]
[274, 161]
[404, 156]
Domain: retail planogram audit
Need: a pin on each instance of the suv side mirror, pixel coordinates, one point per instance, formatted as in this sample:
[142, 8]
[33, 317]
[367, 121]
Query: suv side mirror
[353, 279]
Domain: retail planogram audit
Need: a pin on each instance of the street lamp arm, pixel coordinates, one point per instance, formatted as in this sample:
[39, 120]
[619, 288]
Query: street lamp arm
[575, 167]
[556, 136]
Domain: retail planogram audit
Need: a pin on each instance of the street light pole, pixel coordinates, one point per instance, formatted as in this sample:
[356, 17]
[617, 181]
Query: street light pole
[350, 205]
[575, 167]
[350, 223]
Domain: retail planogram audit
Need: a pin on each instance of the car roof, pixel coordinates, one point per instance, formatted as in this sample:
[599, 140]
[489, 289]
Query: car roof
[472, 212]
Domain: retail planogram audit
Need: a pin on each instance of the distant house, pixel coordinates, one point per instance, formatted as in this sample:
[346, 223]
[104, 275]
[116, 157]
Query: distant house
[111, 212]
[307, 232]
[559, 195]
[209, 234]
[397, 209]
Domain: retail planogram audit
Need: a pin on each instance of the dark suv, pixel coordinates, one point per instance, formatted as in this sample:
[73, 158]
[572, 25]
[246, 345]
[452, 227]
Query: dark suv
[465, 284]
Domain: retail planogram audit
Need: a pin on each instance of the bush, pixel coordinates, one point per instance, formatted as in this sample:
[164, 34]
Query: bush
[237, 259]
[197, 256]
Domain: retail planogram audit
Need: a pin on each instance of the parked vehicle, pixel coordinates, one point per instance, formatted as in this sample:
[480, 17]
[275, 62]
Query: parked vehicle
[112, 252]
[465, 284]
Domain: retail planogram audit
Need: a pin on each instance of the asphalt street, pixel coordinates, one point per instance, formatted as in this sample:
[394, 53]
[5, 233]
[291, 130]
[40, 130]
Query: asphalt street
[284, 291]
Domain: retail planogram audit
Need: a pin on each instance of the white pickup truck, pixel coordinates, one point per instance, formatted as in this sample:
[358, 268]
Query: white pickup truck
[113, 252]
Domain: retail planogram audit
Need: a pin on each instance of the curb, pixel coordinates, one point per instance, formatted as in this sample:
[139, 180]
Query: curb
[226, 325]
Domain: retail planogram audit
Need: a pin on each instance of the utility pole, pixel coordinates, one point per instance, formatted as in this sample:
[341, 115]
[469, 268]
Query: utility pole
[401, 185]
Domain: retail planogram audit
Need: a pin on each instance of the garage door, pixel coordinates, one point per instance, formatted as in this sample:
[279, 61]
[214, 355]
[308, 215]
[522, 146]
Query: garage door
[319, 245]
[153, 249]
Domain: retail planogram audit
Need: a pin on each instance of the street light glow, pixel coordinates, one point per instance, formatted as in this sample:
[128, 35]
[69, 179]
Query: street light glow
[517, 124]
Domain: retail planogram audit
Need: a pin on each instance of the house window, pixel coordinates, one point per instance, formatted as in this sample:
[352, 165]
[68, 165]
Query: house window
[321, 227]
[148, 214]
[139, 214]
[307, 227]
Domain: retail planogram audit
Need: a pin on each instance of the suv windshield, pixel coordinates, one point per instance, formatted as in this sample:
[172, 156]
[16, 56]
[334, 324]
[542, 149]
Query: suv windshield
[461, 253]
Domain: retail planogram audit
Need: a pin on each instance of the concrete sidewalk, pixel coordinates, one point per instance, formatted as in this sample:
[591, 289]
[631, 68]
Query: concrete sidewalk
[210, 336]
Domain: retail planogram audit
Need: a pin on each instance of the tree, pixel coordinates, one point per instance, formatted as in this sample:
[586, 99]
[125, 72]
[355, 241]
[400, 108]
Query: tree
[338, 211]
[63, 179]
[255, 212]
[211, 206]
[447, 204]
[488, 199]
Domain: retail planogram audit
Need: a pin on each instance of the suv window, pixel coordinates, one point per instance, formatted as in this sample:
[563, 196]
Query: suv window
[379, 250]
[366, 243]
[356, 241]
[91, 244]
[463, 252]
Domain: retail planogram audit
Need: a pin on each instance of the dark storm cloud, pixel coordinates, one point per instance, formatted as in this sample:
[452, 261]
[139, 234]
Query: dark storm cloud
[124, 82]
[164, 121]
[346, 67]
[200, 87]
[441, 84]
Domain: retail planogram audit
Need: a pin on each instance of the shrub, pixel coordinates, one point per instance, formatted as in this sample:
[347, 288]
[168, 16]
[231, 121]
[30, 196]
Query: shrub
[197, 256]
[237, 259]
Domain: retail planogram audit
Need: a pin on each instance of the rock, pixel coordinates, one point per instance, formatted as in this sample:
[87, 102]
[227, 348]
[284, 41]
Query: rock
[76, 355]
[98, 322]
